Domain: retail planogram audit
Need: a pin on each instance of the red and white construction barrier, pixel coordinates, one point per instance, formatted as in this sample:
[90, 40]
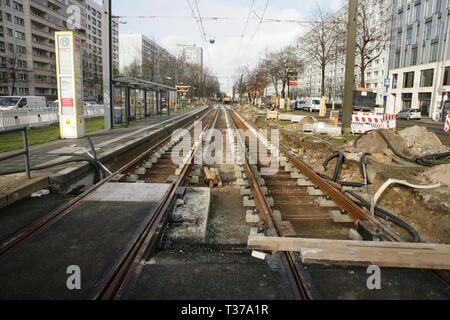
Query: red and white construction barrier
[447, 124]
[362, 123]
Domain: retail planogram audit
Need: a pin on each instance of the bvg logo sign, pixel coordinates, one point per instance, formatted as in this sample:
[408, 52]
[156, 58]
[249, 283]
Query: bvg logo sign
[64, 42]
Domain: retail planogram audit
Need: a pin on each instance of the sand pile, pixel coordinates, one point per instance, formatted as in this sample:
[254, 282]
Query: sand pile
[421, 142]
[374, 143]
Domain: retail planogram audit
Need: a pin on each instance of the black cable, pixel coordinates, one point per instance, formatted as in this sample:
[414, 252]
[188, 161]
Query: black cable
[363, 169]
[338, 168]
[343, 183]
[381, 213]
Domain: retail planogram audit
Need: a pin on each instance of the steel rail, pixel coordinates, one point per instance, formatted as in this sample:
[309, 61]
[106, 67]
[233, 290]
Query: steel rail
[301, 285]
[64, 209]
[115, 283]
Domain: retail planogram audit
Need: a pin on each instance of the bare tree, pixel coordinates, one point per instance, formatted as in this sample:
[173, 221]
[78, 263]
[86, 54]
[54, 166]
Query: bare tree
[13, 64]
[373, 34]
[133, 70]
[323, 41]
[287, 61]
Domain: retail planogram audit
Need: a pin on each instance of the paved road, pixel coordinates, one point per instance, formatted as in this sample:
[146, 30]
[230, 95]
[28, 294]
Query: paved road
[434, 126]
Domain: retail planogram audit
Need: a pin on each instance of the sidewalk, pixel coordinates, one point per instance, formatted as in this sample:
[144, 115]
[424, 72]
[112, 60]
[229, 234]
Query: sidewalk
[106, 143]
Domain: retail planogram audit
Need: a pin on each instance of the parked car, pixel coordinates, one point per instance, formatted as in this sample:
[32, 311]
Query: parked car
[21, 103]
[312, 104]
[300, 105]
[409, 114]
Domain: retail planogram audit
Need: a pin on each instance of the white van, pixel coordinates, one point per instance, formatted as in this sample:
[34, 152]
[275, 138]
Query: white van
[312, 104]
[21, 103]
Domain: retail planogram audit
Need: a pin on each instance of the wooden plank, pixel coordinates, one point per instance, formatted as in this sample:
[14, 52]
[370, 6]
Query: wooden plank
[387, 254]
[375, 256]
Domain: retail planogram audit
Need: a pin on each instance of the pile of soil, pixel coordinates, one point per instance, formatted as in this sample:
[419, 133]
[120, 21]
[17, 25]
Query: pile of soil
[427, 211]
[422, 142]
[299, 126]
[374, 143]
[439, 174]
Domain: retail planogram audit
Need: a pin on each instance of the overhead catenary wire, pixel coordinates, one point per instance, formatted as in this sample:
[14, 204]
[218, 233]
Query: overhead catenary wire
[199, 20]
[245, 30]
[207, 18]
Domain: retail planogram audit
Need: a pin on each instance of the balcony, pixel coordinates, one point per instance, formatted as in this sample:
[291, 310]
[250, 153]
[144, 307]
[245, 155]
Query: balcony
[43, 46]
[41, 32]
[44, 59]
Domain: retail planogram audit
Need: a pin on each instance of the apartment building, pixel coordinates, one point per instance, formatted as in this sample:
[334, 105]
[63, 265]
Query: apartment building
[27, 46]
[419, 59]
[311, 80]
[144, 56]
[93, 61]
[189, 53]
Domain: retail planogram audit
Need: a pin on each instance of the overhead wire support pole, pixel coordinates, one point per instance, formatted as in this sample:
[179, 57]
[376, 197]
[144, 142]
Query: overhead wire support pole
[107, 65]
[350, 65]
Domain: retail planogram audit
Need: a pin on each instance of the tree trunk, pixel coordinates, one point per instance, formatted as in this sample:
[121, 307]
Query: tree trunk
[13, 84]
[363, 72]
[323, 81]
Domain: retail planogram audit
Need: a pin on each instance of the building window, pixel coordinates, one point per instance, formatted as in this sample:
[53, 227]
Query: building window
[438, 6]
[394, 81]
[426, 79]
[409, 36]
[428, 29]
[23, 91]
[408, 79]
[434, 52]
[446, 77]
[405, 58]
[414, 56]
[424, 54]
[438, 28]
[397, 60]
[428, 8]
[399, 39]
[417, 11]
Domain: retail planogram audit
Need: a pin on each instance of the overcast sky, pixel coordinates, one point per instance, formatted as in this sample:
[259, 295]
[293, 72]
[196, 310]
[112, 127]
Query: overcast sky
[223, 57]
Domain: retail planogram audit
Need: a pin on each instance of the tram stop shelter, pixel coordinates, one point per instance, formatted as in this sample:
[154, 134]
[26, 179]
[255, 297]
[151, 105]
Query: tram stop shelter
[136, 99]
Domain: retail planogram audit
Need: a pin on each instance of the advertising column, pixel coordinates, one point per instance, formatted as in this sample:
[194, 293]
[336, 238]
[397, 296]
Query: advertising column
[69, 71]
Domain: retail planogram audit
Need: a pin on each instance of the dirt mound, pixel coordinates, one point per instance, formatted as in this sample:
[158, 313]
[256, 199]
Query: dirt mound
[307, 121]
[249, 112]
[374, 143]
[439, 174]
[422, 142]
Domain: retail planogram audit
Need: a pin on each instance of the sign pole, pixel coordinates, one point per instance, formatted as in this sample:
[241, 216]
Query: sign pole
[69, 74]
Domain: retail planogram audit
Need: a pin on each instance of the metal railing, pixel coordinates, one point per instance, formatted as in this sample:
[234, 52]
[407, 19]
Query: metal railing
[40, 117]
[24, 152]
